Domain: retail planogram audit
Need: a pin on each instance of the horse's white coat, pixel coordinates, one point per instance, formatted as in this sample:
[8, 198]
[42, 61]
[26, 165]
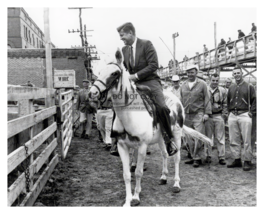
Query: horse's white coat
[138, 124]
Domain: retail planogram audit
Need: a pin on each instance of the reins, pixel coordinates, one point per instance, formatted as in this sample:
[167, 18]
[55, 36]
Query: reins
[107, 88]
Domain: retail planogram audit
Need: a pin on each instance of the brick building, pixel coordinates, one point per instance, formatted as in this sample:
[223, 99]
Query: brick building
[23, 31]
[29, 65]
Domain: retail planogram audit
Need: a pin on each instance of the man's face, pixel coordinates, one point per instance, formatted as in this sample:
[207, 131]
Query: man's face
[228, 83]
[214, 82]
[176, 84]
[237, 74]
[192, 74]
[85, 84]
[127, 38]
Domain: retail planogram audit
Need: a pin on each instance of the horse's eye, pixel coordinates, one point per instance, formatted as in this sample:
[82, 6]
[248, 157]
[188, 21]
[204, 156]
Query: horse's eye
[114, 74]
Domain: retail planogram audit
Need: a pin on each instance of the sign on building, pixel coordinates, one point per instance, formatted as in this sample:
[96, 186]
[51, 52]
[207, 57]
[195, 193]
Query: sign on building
[64, 78]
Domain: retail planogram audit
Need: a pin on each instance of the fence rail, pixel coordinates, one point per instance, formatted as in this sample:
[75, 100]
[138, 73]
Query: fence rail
[66, 102]
[39, 127]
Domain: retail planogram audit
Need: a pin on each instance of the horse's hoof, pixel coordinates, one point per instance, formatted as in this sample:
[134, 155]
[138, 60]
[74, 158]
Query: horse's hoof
[134, 202]
[176, 189]
[162, 182]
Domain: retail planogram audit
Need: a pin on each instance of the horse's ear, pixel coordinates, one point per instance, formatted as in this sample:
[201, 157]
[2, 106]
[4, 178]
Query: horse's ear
[118, 56]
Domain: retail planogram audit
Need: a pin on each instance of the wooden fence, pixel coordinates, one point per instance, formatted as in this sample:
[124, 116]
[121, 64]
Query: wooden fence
[66, 106]
[31, 145]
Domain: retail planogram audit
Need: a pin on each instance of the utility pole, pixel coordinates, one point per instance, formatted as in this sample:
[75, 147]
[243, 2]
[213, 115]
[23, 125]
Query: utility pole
[217, 70]
[215, 35]
[174, 50]
[85, 45]
[80, 18]
[49, 78]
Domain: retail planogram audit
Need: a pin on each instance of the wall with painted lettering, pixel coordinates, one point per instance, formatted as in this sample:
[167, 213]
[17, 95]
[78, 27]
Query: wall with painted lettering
[29, 65]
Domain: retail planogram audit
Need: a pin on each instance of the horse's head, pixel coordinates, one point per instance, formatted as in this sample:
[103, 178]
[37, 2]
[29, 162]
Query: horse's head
[108, 77]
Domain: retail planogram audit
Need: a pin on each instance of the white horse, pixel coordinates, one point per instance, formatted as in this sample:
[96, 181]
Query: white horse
[134, 126]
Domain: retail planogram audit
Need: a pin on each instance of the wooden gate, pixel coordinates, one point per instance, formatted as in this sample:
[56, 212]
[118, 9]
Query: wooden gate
[31, 145]
[66, 107]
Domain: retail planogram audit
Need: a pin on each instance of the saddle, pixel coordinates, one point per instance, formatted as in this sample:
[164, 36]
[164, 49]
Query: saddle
[146, 96]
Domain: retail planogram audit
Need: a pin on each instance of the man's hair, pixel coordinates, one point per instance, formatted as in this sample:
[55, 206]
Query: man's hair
[228, 79]
[237, 68]
[214, 75]
[127, 27]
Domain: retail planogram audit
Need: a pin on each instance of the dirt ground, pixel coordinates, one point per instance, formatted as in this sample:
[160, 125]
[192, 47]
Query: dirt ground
[90, 176]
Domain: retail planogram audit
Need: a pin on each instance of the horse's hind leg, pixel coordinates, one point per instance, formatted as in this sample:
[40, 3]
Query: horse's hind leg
[163, 179]
[177, 132]
[123, 151]
[139, 173]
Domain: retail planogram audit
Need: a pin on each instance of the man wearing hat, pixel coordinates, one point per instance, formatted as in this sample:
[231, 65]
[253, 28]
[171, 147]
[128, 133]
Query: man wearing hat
[254, 28]
[196, 102]
[141, 61]
[240, 34]
[86, 108]
[205, 50]
[241, 102]
[176, 86]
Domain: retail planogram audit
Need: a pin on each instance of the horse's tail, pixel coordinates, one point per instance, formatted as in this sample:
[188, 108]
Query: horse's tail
[193, 134]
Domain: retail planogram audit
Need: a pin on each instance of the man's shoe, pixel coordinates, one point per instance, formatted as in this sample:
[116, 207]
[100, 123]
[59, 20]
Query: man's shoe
[100, 136]
[222, 162]
[108, 146]
[114, 150]
[83, 134]
[196, 163]
[235, 163]
[247, 165]
[86, 136]
[171, 148]
[208, 159]
[189, 161]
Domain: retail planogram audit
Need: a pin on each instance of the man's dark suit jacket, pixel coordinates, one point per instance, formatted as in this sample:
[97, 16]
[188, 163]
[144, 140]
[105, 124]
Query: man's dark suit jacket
[146, 62]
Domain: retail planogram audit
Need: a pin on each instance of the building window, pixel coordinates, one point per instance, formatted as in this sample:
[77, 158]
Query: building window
[37, 42]
[33, 40]
[29, 36]
[26, 34]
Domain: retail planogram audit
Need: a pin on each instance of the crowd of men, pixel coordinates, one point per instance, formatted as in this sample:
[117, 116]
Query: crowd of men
[223, 42]
[207, 107]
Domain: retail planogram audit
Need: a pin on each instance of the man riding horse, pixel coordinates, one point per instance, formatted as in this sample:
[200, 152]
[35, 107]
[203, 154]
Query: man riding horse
[141, 61]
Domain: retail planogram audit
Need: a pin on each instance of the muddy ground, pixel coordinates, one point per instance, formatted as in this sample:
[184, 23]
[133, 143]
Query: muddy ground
[90, 176]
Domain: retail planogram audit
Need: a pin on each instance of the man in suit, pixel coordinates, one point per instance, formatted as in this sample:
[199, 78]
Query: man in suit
[141, 61]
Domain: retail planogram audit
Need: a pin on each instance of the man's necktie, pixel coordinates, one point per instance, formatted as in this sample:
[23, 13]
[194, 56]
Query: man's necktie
[131, 60]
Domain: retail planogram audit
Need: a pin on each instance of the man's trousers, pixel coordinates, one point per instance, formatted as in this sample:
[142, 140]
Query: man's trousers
[195, 121]
[215, 127]
[104, 119]
[240, 136]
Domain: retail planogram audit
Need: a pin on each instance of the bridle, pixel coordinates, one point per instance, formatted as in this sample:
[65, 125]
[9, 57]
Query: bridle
[107, 87]
[110, 85]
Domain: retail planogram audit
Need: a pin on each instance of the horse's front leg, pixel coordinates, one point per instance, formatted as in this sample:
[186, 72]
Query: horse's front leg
[177, 132]
[139, 173]
[124, 155]
[164, 154]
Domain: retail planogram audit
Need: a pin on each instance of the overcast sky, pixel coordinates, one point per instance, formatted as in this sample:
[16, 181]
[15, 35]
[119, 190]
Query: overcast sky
[194, 25]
